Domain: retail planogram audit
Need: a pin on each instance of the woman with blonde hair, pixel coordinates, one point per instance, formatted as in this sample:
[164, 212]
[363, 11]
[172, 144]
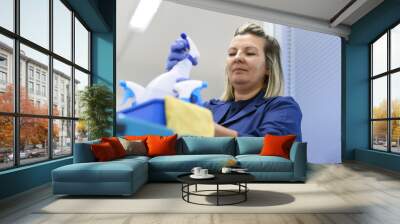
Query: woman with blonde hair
[252, 103]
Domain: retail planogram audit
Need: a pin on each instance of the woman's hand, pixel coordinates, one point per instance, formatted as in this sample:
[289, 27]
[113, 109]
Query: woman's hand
[178, 52]
[220, 131]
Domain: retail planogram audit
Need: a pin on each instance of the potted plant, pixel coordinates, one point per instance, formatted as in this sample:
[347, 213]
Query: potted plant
[97, 103]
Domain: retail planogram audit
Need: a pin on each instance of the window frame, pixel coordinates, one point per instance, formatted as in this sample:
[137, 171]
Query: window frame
[16, 114]
[388, 74]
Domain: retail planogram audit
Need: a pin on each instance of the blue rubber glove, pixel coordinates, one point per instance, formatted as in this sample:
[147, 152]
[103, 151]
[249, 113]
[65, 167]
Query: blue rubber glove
[179, 51]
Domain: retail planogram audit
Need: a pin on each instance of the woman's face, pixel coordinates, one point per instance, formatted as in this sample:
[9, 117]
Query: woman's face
[245, 63]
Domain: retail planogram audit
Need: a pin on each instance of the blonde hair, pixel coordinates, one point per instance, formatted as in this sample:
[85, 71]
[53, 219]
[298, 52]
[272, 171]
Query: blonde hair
[274, 83]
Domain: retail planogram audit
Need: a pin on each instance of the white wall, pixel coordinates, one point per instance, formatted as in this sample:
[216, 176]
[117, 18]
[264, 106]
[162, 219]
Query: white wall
[142, 56]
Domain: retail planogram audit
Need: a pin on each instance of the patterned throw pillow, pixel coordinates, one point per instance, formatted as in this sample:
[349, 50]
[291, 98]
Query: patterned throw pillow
[134, 147]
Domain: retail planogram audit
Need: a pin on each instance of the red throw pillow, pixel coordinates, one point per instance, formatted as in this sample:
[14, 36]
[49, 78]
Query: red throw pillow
[277, 145]
[103, 152]
[116, 145]
[161, 145]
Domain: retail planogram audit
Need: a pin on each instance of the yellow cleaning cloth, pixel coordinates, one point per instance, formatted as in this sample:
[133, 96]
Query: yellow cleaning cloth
[187, 118]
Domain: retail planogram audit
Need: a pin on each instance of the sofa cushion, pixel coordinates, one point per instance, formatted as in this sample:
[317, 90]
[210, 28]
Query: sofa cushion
[249, 145]
[133, 158]
[185, 163]
[111, 171]
[257, 163]
[190, 145]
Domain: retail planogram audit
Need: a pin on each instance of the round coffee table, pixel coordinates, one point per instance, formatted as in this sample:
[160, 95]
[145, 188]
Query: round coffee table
[238, 179]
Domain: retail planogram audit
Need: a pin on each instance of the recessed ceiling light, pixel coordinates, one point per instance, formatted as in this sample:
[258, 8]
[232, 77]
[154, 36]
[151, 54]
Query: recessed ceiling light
[144, 14]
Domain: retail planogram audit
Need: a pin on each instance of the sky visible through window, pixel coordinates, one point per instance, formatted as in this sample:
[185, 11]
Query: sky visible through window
[379, 66]
[7, 13]
[32, 14]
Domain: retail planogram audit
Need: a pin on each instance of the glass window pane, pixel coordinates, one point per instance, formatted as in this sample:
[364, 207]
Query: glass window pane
[81, 45]
[33, 139]
[7, 14]
[62, 29]
[379, 55]
[81, 131]
[379, 97]
[34, 79]
[395, 47]
[6, 142]
[62, 138]
[379, 135]
[81, 81]
[62, 89]
[395, 136]
[395, 94]
[35, 21]
[6, 74]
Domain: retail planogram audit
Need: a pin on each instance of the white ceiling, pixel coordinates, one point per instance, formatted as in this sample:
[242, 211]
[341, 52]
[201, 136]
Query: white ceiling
[320, 9]
[314, 15]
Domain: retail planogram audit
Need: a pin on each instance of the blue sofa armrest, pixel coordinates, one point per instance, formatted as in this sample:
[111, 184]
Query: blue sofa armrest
[83, 153]
[298, 155]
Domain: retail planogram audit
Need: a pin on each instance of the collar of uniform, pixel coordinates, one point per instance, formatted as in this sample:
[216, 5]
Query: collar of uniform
[223, 109]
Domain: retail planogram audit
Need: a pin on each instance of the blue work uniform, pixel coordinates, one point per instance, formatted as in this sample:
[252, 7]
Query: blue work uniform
[258, 116]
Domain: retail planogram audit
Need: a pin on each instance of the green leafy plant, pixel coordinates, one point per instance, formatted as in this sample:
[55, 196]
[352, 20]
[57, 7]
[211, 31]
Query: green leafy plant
[97, 103]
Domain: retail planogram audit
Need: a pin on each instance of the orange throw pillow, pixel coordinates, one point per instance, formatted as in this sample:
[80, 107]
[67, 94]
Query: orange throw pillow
[134, 138]
[161, 145]
[277, 145]
[116, 145]
[103, 152]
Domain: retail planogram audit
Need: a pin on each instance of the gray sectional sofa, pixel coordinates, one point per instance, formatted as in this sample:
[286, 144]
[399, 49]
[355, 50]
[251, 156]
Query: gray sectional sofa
[125, 176]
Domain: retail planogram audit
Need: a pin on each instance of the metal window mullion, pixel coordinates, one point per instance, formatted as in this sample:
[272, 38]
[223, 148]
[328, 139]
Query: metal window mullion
[89, 52]
[16, 84]
[73, 82]
[371, 135]
[50, 87]
[389, 77]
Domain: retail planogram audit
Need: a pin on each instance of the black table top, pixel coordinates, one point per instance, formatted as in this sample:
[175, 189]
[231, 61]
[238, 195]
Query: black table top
[220, 178]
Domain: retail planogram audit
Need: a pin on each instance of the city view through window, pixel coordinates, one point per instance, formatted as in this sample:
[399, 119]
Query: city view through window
[39, 114]
[385, 87]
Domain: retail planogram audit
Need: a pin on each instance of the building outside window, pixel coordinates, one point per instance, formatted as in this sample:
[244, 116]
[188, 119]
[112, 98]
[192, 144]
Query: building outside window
[43, 78]
[3, 78]
[3, 72]
[43, 90]
[38, 89]
[3, 61]
[30, 87]
[30, 72]
[37, 75]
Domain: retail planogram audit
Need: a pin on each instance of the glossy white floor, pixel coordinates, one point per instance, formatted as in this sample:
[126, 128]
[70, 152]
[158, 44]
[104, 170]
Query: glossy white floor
[377, 188]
